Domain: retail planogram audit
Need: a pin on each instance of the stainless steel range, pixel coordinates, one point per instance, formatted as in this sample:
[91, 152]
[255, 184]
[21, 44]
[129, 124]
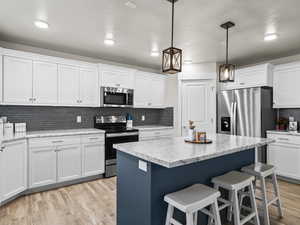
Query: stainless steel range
[115, 133]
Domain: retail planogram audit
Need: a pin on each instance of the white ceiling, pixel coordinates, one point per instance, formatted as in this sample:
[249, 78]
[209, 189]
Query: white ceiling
[80, 26]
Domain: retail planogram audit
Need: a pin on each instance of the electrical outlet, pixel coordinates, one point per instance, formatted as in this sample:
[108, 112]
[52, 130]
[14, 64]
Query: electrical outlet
[143, 117]
[78, 119]
[143, 165]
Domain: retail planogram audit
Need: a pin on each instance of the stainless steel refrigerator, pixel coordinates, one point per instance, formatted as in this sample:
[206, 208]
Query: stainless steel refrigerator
[246, 112]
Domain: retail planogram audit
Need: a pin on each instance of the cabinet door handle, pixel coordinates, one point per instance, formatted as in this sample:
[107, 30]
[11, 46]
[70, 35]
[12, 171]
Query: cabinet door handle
[283, 139]
[59, 141]
[242, 83]
[93, 138]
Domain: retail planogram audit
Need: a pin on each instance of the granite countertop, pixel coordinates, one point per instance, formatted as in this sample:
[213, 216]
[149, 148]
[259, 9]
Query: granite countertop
[174, 152]
[153, 127]
[283, 132]
[50, 133]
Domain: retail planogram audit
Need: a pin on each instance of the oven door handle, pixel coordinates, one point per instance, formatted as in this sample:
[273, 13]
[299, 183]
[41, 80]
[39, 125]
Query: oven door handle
[122, 134]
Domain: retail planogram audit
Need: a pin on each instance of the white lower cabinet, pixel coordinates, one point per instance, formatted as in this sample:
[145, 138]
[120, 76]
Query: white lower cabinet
[42, 167]
[68, 162]
[92, 159]
[54, 160]
[13, 164]
[285, 155]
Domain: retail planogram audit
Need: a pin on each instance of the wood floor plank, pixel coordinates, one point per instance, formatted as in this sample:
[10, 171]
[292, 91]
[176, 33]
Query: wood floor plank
[94, 203]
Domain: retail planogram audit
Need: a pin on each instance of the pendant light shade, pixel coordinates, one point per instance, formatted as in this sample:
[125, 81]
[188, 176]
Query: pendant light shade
[227, 71]
[172, 57]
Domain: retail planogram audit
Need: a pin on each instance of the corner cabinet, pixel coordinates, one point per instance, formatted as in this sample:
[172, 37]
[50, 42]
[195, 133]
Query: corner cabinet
[149, 90]
[13, 173]
[253, 76]
[286, 90]
[115, 76]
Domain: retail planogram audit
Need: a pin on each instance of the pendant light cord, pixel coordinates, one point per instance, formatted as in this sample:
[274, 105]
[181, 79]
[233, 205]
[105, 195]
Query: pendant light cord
[172, 33]
[227, 45]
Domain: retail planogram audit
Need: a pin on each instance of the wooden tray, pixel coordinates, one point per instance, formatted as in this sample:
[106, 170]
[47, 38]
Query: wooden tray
[207, 141]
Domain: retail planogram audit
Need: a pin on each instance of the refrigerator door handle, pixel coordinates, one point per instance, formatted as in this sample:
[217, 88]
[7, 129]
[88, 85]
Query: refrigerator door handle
[234, 118]
[231, 118]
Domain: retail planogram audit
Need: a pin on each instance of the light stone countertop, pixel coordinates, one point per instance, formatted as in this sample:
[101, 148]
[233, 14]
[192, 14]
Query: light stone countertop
[153, 127]
[283, 132]
[174, 152]
[50, 133]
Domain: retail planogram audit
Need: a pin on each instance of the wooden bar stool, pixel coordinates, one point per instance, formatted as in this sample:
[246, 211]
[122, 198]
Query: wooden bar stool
[234, 182]
[191, 200]
[262, 171]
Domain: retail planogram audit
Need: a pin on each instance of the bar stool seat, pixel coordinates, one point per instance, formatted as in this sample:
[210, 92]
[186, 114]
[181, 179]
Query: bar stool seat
[259, 169]
[191, 200]
[233, 180]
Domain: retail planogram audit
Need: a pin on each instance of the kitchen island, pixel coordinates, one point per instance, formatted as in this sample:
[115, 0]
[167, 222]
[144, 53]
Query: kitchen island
[148, 170]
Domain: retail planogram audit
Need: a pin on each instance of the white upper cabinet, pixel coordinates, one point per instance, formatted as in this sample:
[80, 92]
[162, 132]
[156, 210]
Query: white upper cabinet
[32, 79]
[115, 76]
[68, 83]
[1, 76]
[149, 90]
[286, 90]
[254, 76]
[17, 80]
[89, 87]
[44, 83]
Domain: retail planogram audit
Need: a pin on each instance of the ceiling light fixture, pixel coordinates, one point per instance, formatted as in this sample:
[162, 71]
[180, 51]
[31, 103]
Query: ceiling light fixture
[226, 71]
[109, 42]
[188, 61]
[172, 57]
[154, 53]
[270, 37]
[41, 24]
[130, 4]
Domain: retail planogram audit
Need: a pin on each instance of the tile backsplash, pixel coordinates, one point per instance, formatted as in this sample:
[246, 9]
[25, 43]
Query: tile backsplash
[51, 118]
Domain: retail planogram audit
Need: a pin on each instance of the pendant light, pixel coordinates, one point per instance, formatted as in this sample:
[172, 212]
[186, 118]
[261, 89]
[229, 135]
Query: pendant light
[172, 57]
[226, 71]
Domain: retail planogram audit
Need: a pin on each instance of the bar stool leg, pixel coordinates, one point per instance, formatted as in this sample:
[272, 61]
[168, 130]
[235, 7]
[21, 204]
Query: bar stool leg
[189, 219]
[195, 218]
[253, 205]
[265, 201]
[277, 194]
[236, 210]
[216, 213]
[229, 210]
[169, 214]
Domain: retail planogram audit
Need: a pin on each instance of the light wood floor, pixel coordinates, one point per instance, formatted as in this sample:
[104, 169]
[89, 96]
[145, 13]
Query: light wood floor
[94, 203]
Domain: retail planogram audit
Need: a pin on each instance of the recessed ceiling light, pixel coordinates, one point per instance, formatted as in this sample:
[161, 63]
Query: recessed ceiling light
[109, 42]
[188, 61]
[270, 37]
[154, 53]
[41, 24]
[130, 4]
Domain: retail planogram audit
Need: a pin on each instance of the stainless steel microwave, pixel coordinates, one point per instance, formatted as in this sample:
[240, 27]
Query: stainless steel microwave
[116, 97]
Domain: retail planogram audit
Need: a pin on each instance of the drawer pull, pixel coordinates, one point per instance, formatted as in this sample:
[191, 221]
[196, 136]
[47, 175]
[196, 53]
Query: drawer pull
[55, 142]
[94, 138]
[283, 139]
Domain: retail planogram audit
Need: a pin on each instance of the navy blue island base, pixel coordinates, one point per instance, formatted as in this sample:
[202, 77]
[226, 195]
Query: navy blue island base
[140, 194]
